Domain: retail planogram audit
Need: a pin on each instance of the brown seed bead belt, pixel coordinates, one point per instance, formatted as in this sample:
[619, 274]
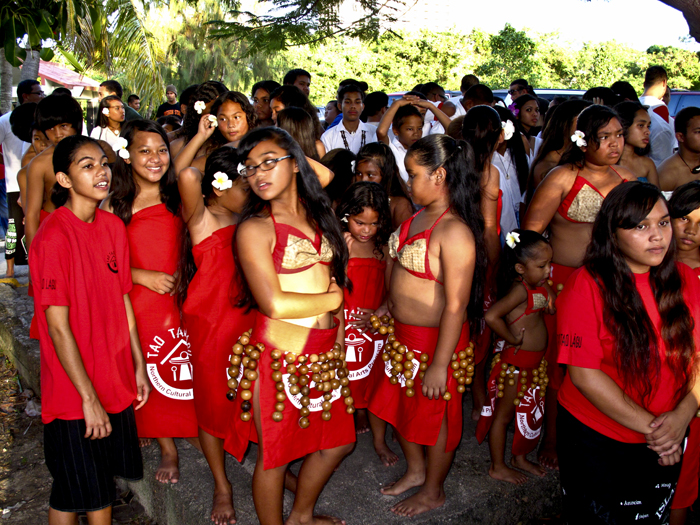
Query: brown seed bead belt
[539, 378]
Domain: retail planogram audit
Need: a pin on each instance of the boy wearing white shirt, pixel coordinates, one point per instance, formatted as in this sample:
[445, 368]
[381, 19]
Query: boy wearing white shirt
[351, 133]
[662, 137]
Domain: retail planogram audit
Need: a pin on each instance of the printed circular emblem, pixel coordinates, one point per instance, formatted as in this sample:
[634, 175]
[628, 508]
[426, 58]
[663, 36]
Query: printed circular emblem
[529, 413]
[316, 402]
[168, 363]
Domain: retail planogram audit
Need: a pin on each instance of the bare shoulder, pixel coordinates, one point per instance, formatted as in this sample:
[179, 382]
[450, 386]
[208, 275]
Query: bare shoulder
[452, 229]
[562, 176]
[669, 165]
[255, 229]
[625, 173]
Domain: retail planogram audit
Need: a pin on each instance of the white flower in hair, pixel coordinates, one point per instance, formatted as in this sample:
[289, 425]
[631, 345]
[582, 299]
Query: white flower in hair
[345, 218]
[221, 181]
[508, 129]
[352, 168]
[512, 239]
[120, 146]
[578, 138]
[242, 169]
[199, 106]
[212, 119]
[105, 111]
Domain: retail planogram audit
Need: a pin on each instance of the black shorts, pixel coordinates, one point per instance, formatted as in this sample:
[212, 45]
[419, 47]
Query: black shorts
[608, 481]
[83, 469]
[14, 239]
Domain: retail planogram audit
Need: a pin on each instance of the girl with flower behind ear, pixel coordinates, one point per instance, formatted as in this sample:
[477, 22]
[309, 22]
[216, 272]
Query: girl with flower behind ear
[212, 322]
[111, 118]
[566, 203]
[511, 160]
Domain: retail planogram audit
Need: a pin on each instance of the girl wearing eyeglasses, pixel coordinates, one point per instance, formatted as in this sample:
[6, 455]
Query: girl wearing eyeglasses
[111, 118]
[291, 395]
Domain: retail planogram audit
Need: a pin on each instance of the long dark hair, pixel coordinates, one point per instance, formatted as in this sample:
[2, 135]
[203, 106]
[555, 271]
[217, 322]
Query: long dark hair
[124, 188]
[339, 161]
[63, 156]
[217, 139]
[312, 197]
[526, 248]
[292, 96]
[636, 344]
[481, 128]
[383, 157]
[104, 104]
[206, 92]
[516, 148]
[363, 195]
[590, 120]
[224, 159]
[300, 125]
[464, 186]
[626, 111]
[518, 104]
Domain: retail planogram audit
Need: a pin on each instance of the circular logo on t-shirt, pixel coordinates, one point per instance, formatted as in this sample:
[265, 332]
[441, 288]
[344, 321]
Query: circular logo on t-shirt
[168, 363]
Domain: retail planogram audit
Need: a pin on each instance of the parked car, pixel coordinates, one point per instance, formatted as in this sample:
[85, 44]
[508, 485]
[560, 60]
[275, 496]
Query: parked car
[683, 99]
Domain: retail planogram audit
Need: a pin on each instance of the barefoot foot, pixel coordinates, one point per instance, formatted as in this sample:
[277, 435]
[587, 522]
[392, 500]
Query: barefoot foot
[408, 481]
[361, 422]
[504, 473]
[315, 520]
[387, 457]
[222, 512]
[548, 457]
[168, 471]
[145, 442]
[418, 504]
[523, 463]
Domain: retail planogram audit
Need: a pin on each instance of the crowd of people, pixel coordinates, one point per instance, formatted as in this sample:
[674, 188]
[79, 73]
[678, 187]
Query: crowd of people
[362, 272]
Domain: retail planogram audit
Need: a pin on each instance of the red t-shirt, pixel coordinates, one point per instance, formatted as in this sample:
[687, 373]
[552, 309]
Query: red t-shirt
[585, 341]
[84, 266]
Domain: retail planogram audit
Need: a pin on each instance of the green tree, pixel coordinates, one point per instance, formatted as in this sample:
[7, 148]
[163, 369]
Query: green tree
[512, 56]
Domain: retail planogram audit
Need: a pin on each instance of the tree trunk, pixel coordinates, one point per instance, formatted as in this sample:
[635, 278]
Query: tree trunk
[5, 85]
[30, 67]
[691, 12]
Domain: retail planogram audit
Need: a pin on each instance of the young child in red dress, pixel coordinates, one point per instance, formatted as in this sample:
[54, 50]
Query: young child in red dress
[144, 195]
[684, 208]
[518, 378]
[212, 322]
[366, 220]
[293, 394]
[92, 369]
[435, 295]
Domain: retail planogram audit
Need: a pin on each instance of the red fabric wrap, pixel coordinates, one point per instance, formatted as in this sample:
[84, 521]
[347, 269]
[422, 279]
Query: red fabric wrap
[154, 240]
[418, 419]
[687, 487]
[34, 325]
[285, 441]
[529, 414]
[363, 347]
[559, 274]
[214, 326]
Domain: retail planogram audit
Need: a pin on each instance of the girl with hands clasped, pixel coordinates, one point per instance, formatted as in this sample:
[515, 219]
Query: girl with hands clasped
[366, 221]
[435, 297]
[625, 329]
[518, 374]
[93, 374]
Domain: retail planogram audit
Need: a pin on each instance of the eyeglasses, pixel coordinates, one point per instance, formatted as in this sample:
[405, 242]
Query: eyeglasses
[265, 165]
[116, 107]
[514, 91]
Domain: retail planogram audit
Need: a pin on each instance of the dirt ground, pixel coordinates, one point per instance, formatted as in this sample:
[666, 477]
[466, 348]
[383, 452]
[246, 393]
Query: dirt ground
[25, 482]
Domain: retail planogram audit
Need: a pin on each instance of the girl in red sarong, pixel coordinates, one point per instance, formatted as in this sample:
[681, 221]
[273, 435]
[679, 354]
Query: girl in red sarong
[144, 195]
[436, 286]
[684, 208]
[366, 219]
[291, 251]
[212, 322]
[518, 378]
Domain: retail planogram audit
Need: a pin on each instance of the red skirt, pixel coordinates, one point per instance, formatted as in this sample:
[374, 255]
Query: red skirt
[687, 487]
[34, 325]
[529, 413]
[559, 274]
[418, 419]
[285, 440]
[154, 238]
[214, 326]
[363, 347]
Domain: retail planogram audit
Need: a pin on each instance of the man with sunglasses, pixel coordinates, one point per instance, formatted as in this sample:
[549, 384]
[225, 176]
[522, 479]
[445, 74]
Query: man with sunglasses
[518, 88]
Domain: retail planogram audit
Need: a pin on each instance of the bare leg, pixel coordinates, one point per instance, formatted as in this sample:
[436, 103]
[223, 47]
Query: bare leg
[678, 516]
[479, 397]
[268, 485]
[432, 493]
[415, 469]
[195, 443]
[361, 425]
[315, 472]
[222, 512]
[10, 268]
[56, 517]
[548, 450]
[290, 481]
[168, 471]
[100, 517]
[378, 426]
[503, 415]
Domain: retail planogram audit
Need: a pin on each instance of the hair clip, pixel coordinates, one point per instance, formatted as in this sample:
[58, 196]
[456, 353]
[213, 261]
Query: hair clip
[512, 239]
[105, 112]
[352, 166]
[221, 181]
[120, 146]
[199, 106]
[578, 138]
[508, 129]
[345, 218]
